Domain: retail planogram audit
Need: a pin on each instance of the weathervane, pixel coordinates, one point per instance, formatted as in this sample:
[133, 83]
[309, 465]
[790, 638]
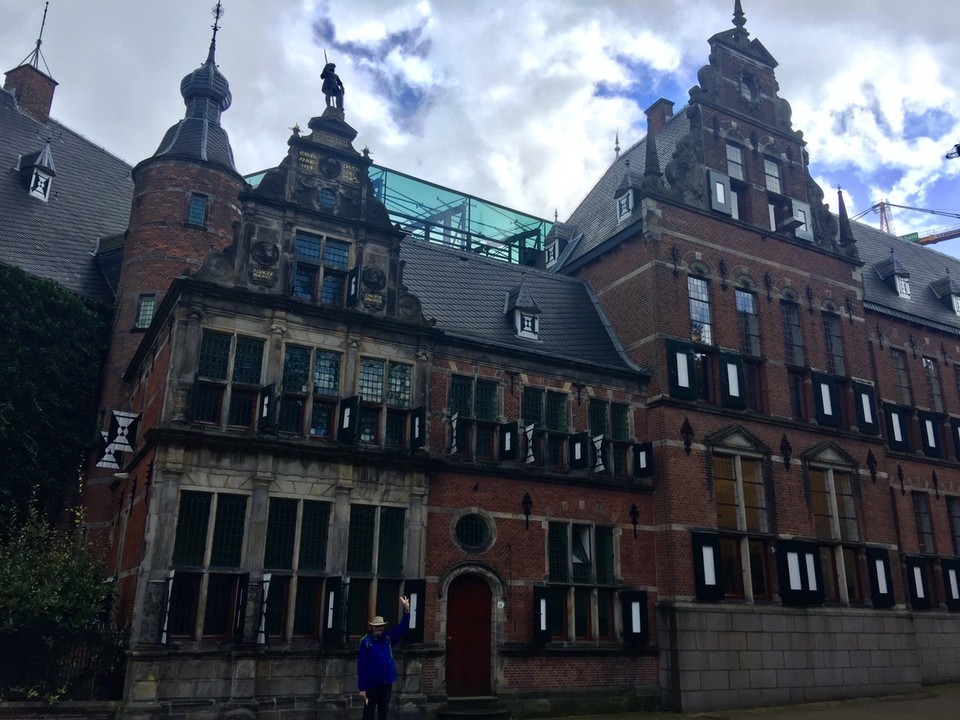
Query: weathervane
[36, 56]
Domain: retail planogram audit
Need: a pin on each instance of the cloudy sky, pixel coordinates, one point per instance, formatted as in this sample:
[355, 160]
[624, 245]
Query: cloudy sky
[517, 102]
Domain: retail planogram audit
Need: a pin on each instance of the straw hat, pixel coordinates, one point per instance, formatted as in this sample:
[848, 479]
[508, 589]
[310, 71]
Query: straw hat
[377, 621]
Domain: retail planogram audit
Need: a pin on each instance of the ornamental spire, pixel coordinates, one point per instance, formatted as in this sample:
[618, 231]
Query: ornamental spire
[739, 19]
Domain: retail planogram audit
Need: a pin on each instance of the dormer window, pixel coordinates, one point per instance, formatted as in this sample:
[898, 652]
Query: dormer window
[40, 184]
[37, 171]
[903, 287]
[550, 255]
[624, 206]
[523, 311]
[956, 304]
[529, 326]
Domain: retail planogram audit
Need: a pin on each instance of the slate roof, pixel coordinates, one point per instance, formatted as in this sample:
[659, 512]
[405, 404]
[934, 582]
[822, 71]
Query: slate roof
[467, 294]
[595, 217]
[925, 266]
[90, 199]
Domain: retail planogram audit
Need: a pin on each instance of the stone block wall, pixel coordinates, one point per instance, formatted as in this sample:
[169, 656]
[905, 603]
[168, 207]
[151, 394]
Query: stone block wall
[715, 657]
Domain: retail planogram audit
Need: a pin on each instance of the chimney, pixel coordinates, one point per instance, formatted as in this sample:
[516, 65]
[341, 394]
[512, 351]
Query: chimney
[33, 91]
[657, 115]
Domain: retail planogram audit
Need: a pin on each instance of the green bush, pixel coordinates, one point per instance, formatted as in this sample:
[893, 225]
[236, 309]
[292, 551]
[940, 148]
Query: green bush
[52, 345]
[54, 615]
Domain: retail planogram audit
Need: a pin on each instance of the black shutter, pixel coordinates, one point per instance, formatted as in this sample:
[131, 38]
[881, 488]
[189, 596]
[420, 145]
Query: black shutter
[731, 381]
[881, 585]
[865, 399]
[416, 591]
[955, 431]
[194, 409]
[333, 611]
[579, 451]
[509, 441]
[240, 606]
[930, 434]
[633, 609]
[266, 417]
[827, 399]
[418, 427]
[348, 425]
[643, 460]
[166, 611]
[541, 615]
[719, 189]
[601, 453]
[896, 418]
[706, 566]
[800, 572]
[264, 598]
[680, 363]
[951, 582]
[917, 582]
[353, 286]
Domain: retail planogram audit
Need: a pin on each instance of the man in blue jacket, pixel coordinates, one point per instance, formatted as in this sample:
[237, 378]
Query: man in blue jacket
[376, 670]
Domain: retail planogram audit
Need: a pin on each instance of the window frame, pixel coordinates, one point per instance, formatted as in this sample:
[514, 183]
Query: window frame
[477, 434]
[841, 544]
[222, 399]
[198, 204]
[739, 545]
[314, 264]
[698, 305]
[146, 309]
[569, 588]
[380, 419]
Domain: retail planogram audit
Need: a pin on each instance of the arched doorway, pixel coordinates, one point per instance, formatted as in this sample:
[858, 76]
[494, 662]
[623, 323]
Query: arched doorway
[468, 636]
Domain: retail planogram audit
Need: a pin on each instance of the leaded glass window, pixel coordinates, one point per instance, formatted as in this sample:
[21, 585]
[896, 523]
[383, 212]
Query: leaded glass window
[390, 560]
[360, 538]
[248, 360]
[214, 355]
[192, 520]
[461, 395]
[371, 380]
[487, 400]
[598, 417]
[314, 528]
[701, 329]
[532, 406]
[326, 374]
[620, 421]
[281, 531]
[228, 531]
[398, 385]
[556, 411]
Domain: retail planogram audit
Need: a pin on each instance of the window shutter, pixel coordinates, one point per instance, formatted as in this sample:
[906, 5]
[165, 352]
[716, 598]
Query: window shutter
[881, 585]
[531, 454]
[898, 437]
[680, 363]
[353, 286]
[930, 434]
[865, 400]
[509, 441]
[266, 417]
[600, 453]
[719, 191]
[633, 608]
[166, 612]
[800, 573]
[731, 381]
[955, 431]
[643, 460]
[418, 427]
[240, 606]
[348, 425]
[333, 611]
[801, 211]
[706, 565]
[827, 398]
[264, 596]
[454, 420]
[917, 581]
[416, 591]
[194, 410]
[579, 451]
[541, 615]
[951, 582]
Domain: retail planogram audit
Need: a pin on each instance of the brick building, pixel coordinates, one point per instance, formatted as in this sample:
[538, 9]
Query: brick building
[698, 448]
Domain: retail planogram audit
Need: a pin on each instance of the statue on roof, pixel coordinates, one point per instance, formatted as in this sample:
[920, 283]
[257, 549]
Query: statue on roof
[332, 87]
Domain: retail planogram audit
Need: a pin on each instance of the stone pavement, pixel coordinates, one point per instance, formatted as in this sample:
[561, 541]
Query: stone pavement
[935, 702]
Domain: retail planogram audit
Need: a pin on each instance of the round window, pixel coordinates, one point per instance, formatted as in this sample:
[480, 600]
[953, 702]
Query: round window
[473, 533]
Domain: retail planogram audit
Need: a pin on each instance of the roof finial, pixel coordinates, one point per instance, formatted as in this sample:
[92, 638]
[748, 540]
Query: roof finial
[616, 144]
[217, 13]
[739, 19]
[36, 56]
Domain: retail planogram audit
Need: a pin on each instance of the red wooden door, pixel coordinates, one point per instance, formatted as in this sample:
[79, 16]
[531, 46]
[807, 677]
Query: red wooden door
[468, 637]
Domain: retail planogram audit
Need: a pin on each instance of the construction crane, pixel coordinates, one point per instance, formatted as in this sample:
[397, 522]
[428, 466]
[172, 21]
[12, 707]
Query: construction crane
[883, 207]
